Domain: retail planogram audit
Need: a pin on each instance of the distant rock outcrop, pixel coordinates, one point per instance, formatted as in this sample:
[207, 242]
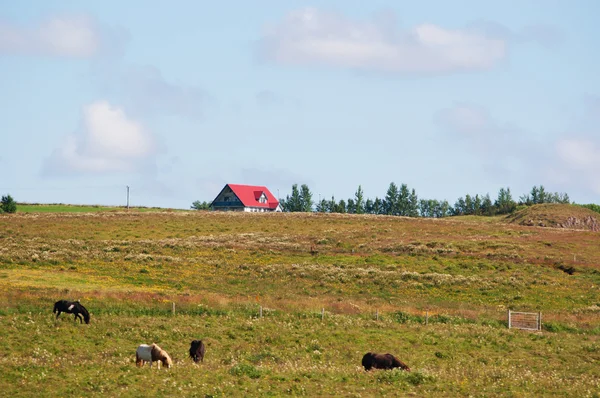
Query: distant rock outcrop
[588, 222]
[557, 216]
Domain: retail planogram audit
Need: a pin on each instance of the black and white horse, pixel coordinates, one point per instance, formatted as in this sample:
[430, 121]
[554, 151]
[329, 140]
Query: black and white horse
[72, 307]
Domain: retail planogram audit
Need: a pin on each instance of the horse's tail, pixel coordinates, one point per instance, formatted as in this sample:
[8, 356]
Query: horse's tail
[85, 313]
[55, 307]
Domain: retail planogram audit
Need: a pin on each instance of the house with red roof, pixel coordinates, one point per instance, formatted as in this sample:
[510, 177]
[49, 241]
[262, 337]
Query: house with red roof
[250, 198]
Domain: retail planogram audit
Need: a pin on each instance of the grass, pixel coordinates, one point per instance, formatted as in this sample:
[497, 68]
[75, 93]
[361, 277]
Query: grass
[128, 268]
[67, 208]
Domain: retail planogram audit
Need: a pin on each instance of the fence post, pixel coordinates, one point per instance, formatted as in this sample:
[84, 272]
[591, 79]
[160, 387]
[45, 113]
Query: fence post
[173, 308]
[539, 321]
[426, 317]
[260, 312]
[377, 314]
[322, 313]
[509, 318]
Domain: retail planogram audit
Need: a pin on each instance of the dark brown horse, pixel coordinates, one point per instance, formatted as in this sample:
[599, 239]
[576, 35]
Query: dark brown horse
[382, 361]
[72, 307]
[197, 350]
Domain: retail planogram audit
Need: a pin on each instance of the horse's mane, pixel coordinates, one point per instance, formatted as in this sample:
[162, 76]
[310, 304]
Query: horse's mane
[161, 355]
[58, 304]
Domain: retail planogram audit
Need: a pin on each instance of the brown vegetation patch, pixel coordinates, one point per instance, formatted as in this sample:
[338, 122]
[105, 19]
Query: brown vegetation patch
[557, 216]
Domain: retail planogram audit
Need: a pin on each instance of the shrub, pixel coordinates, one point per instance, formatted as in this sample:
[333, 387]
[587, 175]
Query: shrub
[8, 205]
[245, 369]
[403, 317]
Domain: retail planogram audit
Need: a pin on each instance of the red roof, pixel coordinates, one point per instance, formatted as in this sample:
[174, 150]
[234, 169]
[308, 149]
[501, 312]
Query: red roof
[250, 194]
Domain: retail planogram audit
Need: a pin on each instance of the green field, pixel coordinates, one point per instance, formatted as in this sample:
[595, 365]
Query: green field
[128, 268]
[65, 208]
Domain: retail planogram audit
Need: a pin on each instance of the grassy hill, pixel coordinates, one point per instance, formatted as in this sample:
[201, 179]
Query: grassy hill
[557, 216]
[128, 268]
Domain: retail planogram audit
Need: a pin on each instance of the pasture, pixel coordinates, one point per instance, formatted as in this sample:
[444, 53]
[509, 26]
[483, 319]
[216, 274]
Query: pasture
[127, 268]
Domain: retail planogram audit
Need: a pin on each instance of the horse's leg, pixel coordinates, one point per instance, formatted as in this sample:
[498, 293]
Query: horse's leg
[57, 315]
[78, 315]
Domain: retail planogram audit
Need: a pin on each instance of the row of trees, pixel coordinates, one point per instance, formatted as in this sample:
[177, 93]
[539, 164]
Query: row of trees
[402, 201]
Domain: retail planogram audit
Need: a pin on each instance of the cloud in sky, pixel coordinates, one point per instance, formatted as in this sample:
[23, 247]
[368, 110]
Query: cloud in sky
[72, 36]
[577, 153]
[313, 36]
[150, 93]
[108, 141]
[268, 98]
[502, 150]
[542, 34]
[466, 119]
[568, 163]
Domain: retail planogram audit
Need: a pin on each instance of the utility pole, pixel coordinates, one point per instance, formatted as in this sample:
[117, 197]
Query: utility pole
[127, 197]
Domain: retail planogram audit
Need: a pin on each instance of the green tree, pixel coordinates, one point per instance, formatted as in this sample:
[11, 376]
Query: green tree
[294, 202]
[8, 204]
[505, 203]
[469, 208]
[459, 207]
[487, 207]
[403, 202]
[369, 207]
[359, 200]
[426, 207]
[322, 206]
[332, 205]
[413, 204]
[351, 206]
[378, 206]
[444, 209]
[341, 207]
[197, 205]
[306, 198]
[390, 203]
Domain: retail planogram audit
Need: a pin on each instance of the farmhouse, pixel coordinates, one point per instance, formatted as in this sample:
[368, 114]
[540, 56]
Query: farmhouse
[250, 198]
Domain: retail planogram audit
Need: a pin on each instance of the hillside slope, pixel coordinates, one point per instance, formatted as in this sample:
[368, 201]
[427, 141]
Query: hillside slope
[557, 216]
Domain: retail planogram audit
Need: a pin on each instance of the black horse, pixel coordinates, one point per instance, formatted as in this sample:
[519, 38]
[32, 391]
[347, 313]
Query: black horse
[197, 350]
[382, 361]
[72, 307]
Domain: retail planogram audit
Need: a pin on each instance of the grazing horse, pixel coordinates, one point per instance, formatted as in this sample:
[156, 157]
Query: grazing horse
[382, 361]
[72, 307]
[152, 353]
[197, 350]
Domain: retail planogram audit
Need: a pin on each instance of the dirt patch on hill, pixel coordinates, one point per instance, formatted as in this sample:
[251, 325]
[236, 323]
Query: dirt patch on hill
[557, 216]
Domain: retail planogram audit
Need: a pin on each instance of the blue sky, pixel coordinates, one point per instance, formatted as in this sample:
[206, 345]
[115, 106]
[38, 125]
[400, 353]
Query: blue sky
[176, 99]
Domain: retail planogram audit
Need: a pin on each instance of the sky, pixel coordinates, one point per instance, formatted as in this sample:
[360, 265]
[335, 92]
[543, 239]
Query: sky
[176, 99]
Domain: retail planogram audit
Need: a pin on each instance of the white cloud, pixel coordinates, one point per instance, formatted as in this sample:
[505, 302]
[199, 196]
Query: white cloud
[312, 36]
[579, 154]
[108, 142]
[466, 119]
[151, 93]
[78, 36]
[268, 98]
[577, 164]
[503, 150]
[570, 163]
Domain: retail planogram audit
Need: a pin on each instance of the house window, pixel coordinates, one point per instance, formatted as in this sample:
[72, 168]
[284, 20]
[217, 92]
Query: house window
[263, 198]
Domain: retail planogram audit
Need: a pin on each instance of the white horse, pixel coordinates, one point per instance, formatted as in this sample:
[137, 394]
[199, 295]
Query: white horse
[152, 353]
